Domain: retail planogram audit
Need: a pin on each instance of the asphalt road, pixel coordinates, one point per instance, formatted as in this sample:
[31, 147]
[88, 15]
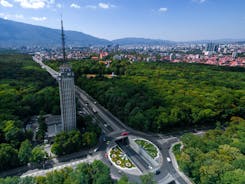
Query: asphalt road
[114, 127]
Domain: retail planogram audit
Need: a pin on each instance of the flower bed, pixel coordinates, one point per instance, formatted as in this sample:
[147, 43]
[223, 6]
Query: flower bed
[148, 147]
[120, 158]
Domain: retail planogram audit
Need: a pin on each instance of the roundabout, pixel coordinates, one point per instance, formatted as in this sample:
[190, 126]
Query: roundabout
[134, 155]
[149, 147]
[120, 159]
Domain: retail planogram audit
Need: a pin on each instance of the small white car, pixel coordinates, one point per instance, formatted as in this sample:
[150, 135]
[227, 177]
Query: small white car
[168, 159]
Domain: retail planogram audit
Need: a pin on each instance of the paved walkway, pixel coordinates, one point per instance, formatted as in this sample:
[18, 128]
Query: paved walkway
[176, 166]
[41, 172]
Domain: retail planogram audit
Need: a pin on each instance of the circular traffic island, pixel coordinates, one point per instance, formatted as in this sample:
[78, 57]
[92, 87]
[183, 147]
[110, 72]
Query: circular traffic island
[120, 159]
[148, 146]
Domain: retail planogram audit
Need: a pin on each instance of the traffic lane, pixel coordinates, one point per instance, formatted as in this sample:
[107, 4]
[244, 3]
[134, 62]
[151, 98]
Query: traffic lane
[99, 112]
[102, 111]
[101, 124]
[167, 167]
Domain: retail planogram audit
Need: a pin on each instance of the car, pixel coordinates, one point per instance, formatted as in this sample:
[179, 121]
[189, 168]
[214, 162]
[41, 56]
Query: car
[96, 149]
[124, 133]
[105, 125]
[168, 159]
[157, 172]
[95, 102]
[94, 110]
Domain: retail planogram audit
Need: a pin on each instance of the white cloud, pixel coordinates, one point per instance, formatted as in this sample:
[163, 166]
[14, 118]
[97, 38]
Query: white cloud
[73, 5]
[11, 16]
[104, 5]
[100, 5]
[35, 4]
[39, 18]
[4, 16]
[163, 9]
[18, 16]
[6, 4]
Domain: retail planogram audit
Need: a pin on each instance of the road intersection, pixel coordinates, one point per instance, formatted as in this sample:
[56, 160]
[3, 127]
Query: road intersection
[113, 127]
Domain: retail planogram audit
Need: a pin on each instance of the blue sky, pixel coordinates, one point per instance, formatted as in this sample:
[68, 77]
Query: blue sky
[178, 20]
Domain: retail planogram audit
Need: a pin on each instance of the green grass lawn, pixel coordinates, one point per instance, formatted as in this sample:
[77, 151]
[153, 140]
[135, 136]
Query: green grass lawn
[120, 158]
[148, 147]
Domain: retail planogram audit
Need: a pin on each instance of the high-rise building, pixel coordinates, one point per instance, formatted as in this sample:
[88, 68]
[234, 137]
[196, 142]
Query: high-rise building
[211, 47]
[67, 92]
[67, 98]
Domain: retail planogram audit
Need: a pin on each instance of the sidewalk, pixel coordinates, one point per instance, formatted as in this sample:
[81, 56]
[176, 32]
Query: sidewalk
[40, 172]
[175, 164]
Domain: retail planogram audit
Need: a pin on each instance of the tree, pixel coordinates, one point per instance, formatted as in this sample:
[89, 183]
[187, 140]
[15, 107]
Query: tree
[13, 134]
[8, 157]
[42, 128]
[39, 156]
[10, 180]
[67, 142]
[25, 152]
[124, 180]
[89, 139]
[100, 173]
[147, 179]
[236, 176]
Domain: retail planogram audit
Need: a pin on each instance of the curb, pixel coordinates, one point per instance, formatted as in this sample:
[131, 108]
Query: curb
[176, 166]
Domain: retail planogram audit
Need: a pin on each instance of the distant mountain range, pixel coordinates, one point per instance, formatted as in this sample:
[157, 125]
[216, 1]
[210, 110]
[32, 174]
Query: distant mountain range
[141, 41]
[16, 34]
[20, 34]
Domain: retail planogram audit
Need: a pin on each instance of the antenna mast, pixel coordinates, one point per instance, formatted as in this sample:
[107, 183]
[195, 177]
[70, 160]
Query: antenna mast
[63, 41]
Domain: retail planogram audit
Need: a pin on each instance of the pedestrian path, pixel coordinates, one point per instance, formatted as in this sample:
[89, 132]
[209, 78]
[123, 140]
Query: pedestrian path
[37, 172]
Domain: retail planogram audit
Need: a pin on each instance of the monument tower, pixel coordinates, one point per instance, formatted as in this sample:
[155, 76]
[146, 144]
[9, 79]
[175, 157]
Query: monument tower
[67, 91]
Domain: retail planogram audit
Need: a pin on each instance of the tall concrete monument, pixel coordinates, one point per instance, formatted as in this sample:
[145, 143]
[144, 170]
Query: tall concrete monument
[67, 91]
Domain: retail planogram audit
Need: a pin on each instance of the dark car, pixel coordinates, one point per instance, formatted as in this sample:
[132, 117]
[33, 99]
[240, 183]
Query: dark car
[157, 172]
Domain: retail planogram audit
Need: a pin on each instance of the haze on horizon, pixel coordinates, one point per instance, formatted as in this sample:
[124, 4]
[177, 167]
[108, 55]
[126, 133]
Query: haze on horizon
[177, 20]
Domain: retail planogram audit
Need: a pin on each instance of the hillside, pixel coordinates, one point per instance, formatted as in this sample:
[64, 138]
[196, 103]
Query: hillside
[21, 34]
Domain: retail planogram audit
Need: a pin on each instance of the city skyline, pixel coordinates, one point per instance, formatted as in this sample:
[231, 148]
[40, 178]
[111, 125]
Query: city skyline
[175, 20]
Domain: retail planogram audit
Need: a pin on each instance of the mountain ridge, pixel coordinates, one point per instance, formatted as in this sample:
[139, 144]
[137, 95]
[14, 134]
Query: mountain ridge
[17, 34]
[22, 34]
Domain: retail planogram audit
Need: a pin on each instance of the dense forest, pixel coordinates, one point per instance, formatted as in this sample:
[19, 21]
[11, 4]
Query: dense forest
[25, 90]
[217, 156]
[160, 96]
